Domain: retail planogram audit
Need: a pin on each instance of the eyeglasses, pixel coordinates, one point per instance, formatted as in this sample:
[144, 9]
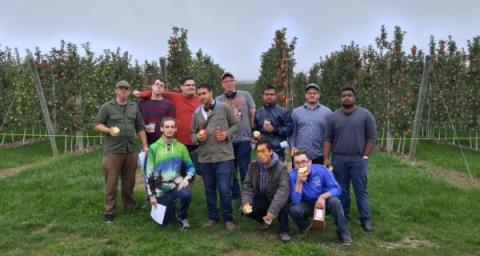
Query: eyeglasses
[228, 81]
[302, 162]
[188, 85]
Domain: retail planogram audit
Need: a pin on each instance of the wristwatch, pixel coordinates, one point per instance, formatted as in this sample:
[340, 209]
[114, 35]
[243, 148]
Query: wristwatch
[365, 157]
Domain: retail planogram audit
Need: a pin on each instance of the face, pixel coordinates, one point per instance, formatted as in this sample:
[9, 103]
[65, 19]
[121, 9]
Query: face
[188, 88]
[269, 97]
[169, 129]
[312, 96]
[302, 161]
[158, 87]
[347, 98]
[204, 95]
[122, 93]
[264, 154]
[228, 84]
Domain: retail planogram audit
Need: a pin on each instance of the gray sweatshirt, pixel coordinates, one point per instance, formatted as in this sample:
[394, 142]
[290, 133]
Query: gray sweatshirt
[349, 133]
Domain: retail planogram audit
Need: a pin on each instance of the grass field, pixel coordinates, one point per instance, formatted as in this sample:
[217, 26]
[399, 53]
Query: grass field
[57, 209]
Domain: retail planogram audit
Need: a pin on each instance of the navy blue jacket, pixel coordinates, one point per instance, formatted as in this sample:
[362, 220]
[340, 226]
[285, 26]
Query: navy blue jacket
[280, 120]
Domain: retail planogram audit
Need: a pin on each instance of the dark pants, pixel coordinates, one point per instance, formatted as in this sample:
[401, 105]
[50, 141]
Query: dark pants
[168, 200]
[218, 175]
[242, 160]
[356, 172]
[260, 208]
[303, 212]
[115, 166]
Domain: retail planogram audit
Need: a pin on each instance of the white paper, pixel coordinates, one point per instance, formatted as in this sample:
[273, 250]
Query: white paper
[284, 144]
[158, 213]
[141, 160]
[319, 215]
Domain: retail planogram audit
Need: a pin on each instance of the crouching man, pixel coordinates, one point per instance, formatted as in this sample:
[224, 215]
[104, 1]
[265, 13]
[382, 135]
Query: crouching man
[266, 190]
[313, 186]
[165, 184]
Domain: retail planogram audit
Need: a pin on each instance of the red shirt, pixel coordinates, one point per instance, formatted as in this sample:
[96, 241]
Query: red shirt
[184, 107]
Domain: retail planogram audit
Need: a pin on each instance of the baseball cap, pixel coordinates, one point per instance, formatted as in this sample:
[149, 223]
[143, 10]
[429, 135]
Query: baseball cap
[312, 85]
[122, 83]
[227, 74]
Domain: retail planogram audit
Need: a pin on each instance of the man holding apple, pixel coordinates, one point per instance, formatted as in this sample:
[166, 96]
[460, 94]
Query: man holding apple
[119, 120]
[213, 126]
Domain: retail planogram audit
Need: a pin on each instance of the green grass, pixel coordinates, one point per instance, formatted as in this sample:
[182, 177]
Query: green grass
[57, 209]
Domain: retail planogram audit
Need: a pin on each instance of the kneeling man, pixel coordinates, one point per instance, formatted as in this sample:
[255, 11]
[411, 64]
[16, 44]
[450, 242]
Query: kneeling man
[165, 159]
[266, 190]
[313, 186]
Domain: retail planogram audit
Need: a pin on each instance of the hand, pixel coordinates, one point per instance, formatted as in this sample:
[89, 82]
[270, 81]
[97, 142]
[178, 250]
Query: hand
[293, 151]
[145, 149]
[149, 129]
[268, 218]
[302, 177]
[183, 184]
[221, 136]
[153, 201]
[201, 137]
[136, 93]
[268, 127]
[247, 208]
[320, 204]
[327, 162]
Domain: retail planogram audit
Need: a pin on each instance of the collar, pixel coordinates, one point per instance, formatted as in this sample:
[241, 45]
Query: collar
[305, 105]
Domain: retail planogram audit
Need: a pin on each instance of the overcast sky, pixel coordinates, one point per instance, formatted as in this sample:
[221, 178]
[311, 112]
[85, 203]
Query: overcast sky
[234, 33]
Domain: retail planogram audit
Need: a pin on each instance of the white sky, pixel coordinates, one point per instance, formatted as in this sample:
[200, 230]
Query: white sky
[234, 33]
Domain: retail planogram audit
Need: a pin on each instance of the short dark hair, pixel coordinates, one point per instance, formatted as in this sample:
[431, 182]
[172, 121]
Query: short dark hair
[205, 86]
[300, 152]
[348, 88]
[185, 78]
[166, 119]
[269, 87]
[266, 143]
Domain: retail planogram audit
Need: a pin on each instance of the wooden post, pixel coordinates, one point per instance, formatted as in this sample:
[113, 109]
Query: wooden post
[43, 105]
[403, 144]
[65, 143]
[24, 134]
[476, 139]
[419, 110]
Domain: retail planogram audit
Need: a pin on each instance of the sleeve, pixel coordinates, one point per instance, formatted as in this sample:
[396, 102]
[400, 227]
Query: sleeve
[149, 168]
[187, 161]
[171, 110]
[256, 122]
[146, 94]
[329, 133]
[250, 101]
[331, 185]
[371, 128]
[139, 123]
[286, 125]
[247, 192]
[194, 129]
[102, 116]
[281, 195]
[293, 136]
[233, 123]
[294, 196]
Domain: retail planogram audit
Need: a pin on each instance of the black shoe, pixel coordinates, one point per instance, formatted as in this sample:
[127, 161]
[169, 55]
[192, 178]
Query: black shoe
[108, 218]
[345, 238]
[367, 226]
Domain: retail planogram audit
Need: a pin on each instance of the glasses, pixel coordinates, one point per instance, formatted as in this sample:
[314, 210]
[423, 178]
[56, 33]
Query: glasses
[188, 85]
[228, 81]
[302, 162]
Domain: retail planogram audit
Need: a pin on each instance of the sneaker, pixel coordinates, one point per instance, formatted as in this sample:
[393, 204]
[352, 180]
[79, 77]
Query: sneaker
[229, 226]
[367, 226]
[184, 224]
[108, 218]
[345, 238]
[303, 232]
[210, 223]
[285, 237]
[263, 226]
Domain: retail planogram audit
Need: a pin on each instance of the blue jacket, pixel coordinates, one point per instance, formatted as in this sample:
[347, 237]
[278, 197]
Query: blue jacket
[318, 182]
[280, 120]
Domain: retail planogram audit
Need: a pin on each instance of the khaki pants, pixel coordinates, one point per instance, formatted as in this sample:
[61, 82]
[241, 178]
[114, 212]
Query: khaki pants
[115, 165]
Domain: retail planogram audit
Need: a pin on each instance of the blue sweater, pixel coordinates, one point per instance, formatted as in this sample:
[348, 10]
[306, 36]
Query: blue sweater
[319, 181]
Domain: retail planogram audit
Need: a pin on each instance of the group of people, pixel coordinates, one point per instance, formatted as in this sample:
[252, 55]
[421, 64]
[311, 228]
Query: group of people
[192, 132]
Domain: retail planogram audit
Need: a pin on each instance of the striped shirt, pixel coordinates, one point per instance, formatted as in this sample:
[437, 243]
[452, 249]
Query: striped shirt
[153, 111]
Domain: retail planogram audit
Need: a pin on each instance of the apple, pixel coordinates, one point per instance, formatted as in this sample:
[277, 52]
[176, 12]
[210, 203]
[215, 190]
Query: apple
[302, 170]
[115, 131]
[256, 135]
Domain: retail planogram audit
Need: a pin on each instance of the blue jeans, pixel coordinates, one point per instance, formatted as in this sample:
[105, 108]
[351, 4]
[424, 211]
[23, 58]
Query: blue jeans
[303, 212]
[242, 151]
[260, 208]
[356, 172]
[218, 175]
[168, 200]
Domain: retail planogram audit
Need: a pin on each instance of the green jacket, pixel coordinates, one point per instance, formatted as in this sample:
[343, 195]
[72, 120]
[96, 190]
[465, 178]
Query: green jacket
[126, 117]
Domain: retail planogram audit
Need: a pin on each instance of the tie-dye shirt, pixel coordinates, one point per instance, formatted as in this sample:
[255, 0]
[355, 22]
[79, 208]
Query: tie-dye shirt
[168, 160]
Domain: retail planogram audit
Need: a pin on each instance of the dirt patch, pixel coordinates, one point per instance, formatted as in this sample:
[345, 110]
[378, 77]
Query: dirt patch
[408, 243]
[456, 178]
[44, 229]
